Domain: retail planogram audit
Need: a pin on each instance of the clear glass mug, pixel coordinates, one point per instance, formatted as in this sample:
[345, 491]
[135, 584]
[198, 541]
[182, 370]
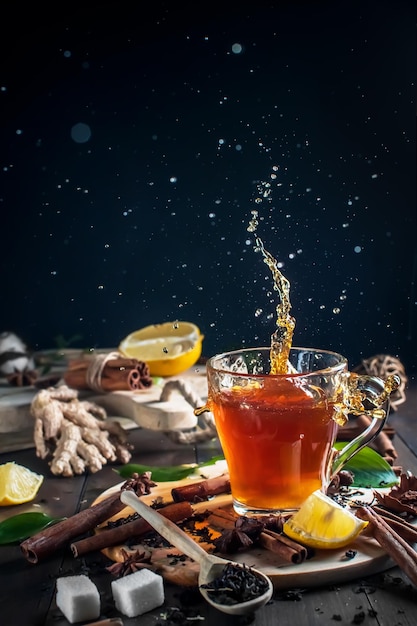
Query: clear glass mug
[277, 431]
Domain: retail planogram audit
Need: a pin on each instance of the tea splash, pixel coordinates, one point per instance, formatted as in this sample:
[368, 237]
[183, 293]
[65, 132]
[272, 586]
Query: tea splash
[277, 424]
[281, 343]
[281, 339]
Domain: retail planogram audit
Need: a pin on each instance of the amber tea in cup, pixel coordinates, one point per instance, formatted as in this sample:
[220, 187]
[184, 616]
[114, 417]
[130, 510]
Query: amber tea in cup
[277, 430]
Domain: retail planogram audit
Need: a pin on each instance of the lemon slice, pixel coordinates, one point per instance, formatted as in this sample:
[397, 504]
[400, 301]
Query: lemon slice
[18, 484]
[168, 349]
[323, 523]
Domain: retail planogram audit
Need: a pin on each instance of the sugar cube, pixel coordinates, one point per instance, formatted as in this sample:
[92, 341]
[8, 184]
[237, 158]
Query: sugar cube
[138, 593]
[78, 598]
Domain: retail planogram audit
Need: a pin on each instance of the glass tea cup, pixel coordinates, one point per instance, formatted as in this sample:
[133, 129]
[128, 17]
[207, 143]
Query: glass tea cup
[277, 431]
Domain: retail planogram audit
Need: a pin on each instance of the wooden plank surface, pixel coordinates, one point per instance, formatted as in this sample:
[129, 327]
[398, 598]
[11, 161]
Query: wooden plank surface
[27, 591]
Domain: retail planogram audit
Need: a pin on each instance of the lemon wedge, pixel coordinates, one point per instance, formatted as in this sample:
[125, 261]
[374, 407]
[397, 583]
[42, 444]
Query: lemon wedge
[323, 523]
[18, 484]
[168, 349]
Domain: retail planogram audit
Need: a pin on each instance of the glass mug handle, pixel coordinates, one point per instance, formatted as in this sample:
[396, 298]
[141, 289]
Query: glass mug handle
[366, 395]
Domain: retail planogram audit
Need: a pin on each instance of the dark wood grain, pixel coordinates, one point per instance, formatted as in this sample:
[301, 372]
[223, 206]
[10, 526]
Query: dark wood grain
[27, 591]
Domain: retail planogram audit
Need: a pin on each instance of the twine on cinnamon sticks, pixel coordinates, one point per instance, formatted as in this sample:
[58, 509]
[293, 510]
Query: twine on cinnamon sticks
[108, 372]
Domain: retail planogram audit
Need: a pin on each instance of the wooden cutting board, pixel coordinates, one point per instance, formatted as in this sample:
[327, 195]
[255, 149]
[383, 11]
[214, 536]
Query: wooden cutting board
[141, 408]
[326, 567]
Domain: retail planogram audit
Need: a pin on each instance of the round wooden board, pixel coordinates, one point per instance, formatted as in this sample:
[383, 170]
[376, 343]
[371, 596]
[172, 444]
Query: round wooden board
[326, 567]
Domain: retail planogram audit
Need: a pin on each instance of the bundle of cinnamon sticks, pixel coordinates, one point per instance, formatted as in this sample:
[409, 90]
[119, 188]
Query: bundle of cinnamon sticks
[290, 551]
[108, 373]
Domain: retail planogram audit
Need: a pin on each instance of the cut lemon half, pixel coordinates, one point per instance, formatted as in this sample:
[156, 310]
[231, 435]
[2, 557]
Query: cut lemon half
[323, 523]
[18, 484]
[168, 349]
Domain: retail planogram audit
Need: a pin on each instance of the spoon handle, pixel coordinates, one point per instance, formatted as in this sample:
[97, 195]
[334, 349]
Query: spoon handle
[167, 529]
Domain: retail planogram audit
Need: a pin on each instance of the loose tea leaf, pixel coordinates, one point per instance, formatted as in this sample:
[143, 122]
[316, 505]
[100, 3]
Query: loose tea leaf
[235, 585]
[24, 525]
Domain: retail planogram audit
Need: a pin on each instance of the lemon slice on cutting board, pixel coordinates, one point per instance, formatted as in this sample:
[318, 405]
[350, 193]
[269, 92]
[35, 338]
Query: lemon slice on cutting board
[168, 348]
[18, 484]
[323, 523]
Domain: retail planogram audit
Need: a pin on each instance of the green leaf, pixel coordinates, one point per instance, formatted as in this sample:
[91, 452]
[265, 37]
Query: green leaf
[164, 474]
[159, 474]
[369, 468]
[24, 525]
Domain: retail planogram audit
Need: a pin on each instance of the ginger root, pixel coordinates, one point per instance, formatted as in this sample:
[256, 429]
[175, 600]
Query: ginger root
[75, 433]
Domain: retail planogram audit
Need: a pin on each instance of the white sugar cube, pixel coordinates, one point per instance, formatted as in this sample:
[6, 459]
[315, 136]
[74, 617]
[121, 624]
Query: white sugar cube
[138, 593]
[78, 598]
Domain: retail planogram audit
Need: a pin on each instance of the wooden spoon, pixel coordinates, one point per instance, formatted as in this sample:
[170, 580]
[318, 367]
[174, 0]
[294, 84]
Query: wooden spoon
[211, 566]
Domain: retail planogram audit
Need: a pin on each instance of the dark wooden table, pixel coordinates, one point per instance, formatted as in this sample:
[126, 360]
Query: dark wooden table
[27, 591]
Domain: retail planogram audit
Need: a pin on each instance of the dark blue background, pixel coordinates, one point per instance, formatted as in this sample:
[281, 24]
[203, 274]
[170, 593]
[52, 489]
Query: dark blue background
[146, 221]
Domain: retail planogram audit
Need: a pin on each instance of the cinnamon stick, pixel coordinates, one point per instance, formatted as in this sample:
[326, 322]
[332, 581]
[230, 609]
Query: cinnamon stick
[286, 548]
[222, 522]
[406, 530]
[115, 374]
[202, 490]
[176, 512]
[397, 548]
[55, 537]
[289, 550]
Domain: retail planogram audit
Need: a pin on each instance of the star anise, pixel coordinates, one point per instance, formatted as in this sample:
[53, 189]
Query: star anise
[132, 563]
[274, 522]
[250, 526]
[141, 484]
[246, 532]
[232, 540]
